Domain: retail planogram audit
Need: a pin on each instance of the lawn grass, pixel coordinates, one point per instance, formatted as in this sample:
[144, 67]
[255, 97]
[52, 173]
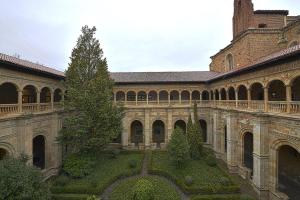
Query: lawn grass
[163, 190]
[106, 171]
[206, 179]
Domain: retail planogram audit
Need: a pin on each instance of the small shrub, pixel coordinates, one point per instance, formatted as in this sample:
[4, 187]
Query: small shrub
[93, 197]
[61, 181]
[189, 180]
[143, 190]
[78, 166]
[93, 182]
[225, 181]
[246, 197]
[113, 153]
[132, 164]
[211, 161]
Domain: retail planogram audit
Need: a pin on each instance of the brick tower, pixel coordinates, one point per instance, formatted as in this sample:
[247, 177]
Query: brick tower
[243, 16]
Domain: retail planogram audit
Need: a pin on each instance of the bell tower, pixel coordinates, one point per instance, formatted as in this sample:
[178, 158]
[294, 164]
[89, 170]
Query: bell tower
[243, 16]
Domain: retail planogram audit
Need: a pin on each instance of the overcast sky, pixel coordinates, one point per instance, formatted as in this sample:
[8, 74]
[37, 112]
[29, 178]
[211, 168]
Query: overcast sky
[136, 35]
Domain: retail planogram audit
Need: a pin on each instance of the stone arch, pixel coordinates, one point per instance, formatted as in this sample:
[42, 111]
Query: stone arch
[195, 95]
[257, 91]
[10, 90]
[203, 125]
[223, 94]
[7, 150]
[231, 93]
[276, 90]
[45, 96]
[142, 96]
[163, 95]
[120, 96]
[295, 87]
[242, 92]
[29, 94]
[217, 96]
[180, 124]
[205, 95]
[136, 132]
[293, 43]
[185, 95]
[130, 96]
[152, 96]
[174, 95]
[39, 151]
[211, 95]
[58, 94]
[158, 132]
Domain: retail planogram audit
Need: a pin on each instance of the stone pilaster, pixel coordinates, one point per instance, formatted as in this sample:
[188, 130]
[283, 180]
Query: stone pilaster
[232, 143]
[125, 133]
[169, 125]
[147, 129]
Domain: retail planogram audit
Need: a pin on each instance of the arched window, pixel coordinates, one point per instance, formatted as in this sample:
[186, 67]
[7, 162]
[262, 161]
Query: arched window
[231, 93]
[120, 96]
[163, 95]
[11, 93]
[137, 135]
[158, 132]
[38, 151]
[29, 94]
[45, 95]
[152, 96]
[257, 92]
[142, 96]
[242, 93]
[205, 95]
[195, 95]
[229, 61]
[223, 94]
[277, 91]
[131, 96]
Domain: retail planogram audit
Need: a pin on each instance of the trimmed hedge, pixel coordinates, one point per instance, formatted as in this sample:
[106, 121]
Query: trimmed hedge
[222, 197]
[69, 196]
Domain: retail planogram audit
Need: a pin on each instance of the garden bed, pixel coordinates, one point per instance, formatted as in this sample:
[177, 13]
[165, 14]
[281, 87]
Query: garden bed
[106, 171]
[205, 179]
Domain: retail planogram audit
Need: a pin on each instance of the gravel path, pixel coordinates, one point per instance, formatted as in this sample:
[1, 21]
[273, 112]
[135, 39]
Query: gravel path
[144, 173]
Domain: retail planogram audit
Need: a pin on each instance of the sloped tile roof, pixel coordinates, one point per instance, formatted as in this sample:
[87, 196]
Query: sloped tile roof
[30, 65]
[268, 12]
[162, 77]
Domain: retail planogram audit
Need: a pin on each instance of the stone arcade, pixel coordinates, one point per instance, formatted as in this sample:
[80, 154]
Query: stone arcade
[248, 103]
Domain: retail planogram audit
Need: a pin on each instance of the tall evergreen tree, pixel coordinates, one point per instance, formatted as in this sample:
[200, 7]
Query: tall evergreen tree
[189, 129]
[195, 136]
[95, 121]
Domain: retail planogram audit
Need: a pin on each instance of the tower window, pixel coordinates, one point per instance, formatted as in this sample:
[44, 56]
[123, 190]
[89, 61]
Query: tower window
[229, 61]
[262, 25]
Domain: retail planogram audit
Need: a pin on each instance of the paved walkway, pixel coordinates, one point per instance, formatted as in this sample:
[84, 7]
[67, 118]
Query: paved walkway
[105, 195]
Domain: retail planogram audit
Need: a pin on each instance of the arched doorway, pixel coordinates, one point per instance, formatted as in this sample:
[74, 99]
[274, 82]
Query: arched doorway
[277, 91]
[289, 172]
[203, 126]
[180, 124]
[248, 151]
[137, 135]
[29, 94]
[158, 132]
[3, 153]
[11, 94]
[38, 151]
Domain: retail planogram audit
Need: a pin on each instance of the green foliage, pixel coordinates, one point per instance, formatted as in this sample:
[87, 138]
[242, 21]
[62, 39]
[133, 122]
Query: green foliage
[19, 181]
[69, 196]
[95, 121]
[220, 197]
[132, 164]
[211, 161]
[113, 153]
[189, 129]
[188, 180]
[195, 142]
[61, 180]
[93, 197]
[163, 190]
[178, 148]
[143, 190]
[78, 166]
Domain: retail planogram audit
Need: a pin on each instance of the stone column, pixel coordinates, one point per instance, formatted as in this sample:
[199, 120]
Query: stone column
[136, 98]
[236, 98]
[147, 129]
[169, 98]
[169, 125]
[191, 97]
[232, 143]
[261, 157]
[227, 94]
[20, 101]
[179, 97]
[52, 100]
[147, 96]
[266, 98]
[249, 96]
[215, 145]
[210, 130]
[288, 98]
[200, 98]
[38, 100]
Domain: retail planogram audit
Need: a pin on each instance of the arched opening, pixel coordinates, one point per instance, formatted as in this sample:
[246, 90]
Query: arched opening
[163, 96]
[231, 93]
[158, 132]
[142, 96]
[229, 61]
[11, 94]
[242, 93]
[205, 95]
[45, 95]
[57, 95]
[120, 96]
[288, 171]
[223, 94]
[38, 151]
[217, 95]
[131, 96]
[248, 151]
[3, 153]
[211, 95]
[257, 92]
[296, 89]
[185, 95]
[137, 135]
[195, 95]
[225, 138]
[294, 43]
[152, 96]
[180, 124]
[277, 91]
[203, 126]
[174, 95]
[29, 94]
